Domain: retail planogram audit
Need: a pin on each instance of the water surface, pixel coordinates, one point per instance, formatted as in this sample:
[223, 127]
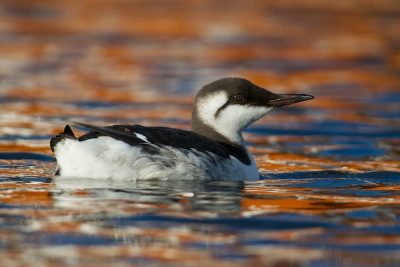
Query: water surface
[330, 167]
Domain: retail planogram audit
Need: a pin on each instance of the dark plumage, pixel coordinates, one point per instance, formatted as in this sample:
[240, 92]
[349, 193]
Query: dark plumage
[157, 137]
[67, 133]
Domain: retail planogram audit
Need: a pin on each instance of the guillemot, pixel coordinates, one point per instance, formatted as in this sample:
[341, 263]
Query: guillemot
[213, 149]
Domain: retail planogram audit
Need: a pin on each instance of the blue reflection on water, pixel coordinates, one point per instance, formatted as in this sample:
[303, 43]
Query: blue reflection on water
[328, 128]
[262, 223]
[355, 152]
[25, 156]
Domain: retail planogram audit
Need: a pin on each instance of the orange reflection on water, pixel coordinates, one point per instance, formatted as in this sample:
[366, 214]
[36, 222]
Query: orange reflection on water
[281, 199]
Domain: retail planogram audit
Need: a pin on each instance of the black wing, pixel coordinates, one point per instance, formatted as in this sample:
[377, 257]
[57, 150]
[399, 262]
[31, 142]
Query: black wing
[164, 136]
[160, 136]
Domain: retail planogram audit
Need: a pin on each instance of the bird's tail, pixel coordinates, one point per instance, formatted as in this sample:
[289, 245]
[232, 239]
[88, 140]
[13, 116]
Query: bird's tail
[66, 134]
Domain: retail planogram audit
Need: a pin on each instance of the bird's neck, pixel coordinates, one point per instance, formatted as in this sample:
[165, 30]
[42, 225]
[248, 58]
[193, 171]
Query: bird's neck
[198, 126]
[233, 143]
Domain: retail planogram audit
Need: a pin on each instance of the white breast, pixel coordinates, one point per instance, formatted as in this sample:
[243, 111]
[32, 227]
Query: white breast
[105, 157]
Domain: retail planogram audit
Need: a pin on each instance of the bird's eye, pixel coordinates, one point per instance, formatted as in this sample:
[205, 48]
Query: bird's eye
[239, 97]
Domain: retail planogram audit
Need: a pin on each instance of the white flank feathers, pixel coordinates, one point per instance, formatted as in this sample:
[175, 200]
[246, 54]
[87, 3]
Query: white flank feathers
[107, 158]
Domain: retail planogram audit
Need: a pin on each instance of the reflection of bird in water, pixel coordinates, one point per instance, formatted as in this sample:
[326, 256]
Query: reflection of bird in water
[214, 149]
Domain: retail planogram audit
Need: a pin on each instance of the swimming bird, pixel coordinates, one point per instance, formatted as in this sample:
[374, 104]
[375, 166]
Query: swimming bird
[214, 149]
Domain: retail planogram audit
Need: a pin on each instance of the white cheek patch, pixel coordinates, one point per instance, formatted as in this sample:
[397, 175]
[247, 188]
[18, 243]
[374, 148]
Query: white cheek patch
[209, 106]
[232, 119]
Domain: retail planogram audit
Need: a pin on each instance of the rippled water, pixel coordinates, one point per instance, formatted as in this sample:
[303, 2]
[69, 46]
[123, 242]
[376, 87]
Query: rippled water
[330, 167]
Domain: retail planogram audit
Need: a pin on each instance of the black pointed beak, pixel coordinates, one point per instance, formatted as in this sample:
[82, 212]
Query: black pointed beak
[288, 99]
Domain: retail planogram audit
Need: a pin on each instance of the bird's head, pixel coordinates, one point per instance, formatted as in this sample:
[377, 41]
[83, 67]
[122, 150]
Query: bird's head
[229, 105]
